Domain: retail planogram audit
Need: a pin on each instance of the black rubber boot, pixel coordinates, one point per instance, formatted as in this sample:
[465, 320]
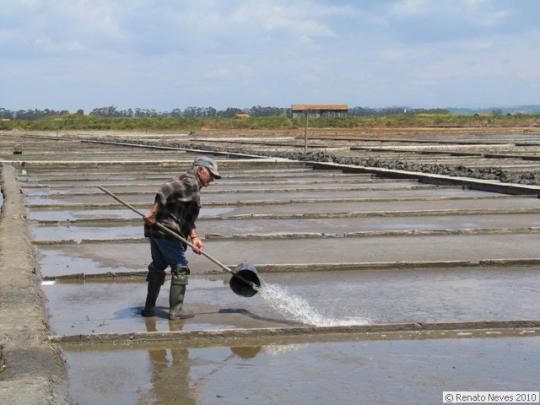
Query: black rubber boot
[155, 281]
[179, 279]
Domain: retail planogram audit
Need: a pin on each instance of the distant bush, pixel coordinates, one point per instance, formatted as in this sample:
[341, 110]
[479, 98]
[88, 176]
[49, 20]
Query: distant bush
[281, 121]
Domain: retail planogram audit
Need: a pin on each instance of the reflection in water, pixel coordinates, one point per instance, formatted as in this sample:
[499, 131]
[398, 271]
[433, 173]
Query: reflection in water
[170, 371]
[170, 368]
[246, 352]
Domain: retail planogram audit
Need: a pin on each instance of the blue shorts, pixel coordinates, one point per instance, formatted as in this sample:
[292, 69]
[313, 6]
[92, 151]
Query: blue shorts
[167, 252]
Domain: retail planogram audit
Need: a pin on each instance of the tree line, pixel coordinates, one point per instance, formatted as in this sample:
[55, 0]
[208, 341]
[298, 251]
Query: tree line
[201, 112]
[31, 114]
[112, 111]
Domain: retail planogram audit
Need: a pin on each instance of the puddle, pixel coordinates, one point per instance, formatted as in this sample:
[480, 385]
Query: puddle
[207, 212]
[389, 372]
[390, 296]
[53, 262]
[50, 215]
[72, 215]
[224, 187]
[279, 196]
[79, 233]
[103, 230]
[36, 214]
[388, 249]
[49, 192]
[319, 298]
[46, 201]
[91, 307]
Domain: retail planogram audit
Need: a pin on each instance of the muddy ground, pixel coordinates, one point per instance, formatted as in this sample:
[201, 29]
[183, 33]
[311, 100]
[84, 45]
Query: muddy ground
[33, 371]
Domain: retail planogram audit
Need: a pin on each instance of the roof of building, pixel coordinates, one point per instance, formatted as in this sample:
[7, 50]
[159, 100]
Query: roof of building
[320, 107]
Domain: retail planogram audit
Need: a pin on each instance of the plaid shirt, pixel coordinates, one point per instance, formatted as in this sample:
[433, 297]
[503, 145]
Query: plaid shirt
[180, 202]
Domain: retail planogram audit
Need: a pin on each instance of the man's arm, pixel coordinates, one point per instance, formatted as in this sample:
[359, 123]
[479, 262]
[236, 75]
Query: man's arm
[196, 241]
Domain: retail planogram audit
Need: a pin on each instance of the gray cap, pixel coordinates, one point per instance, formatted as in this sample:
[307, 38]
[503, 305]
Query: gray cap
[209, 163]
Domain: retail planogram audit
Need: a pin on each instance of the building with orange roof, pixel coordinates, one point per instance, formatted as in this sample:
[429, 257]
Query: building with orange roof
[319, 110]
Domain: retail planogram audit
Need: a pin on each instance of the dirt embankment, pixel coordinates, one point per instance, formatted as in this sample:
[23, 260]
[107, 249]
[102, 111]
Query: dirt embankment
[374, 132]
[32, 371]
[486, 173]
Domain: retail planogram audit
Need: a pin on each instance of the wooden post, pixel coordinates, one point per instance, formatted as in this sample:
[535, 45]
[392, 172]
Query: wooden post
[306, 112]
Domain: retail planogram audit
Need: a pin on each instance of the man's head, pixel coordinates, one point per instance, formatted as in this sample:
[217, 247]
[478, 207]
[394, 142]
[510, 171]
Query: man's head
[206, 169]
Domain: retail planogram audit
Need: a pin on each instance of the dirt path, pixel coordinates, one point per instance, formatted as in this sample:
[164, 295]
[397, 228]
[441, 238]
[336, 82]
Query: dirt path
[31, 370]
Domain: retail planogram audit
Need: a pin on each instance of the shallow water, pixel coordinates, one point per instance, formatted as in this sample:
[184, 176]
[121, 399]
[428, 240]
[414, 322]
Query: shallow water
[73, 215]
[347, 372]
[333, 298]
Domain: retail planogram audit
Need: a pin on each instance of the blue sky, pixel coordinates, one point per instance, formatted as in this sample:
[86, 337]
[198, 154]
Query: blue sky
[167, 54]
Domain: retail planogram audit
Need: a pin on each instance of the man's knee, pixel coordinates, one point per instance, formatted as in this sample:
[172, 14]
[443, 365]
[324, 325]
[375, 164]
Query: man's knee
[155, 275]
[180, 275]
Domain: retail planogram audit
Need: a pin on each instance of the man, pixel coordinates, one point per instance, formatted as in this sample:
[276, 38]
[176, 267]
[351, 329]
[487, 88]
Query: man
[176, 206]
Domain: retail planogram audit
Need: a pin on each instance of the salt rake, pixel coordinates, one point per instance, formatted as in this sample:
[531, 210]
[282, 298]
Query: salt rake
[245, 279]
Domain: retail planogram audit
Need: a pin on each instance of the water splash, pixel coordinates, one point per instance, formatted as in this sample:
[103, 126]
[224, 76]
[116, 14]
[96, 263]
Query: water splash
[300, 310]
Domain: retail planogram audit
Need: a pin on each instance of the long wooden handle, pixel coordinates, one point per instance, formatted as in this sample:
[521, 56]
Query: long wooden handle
[167, 230]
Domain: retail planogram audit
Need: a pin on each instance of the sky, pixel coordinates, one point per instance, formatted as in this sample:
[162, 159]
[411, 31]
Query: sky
[165, 54]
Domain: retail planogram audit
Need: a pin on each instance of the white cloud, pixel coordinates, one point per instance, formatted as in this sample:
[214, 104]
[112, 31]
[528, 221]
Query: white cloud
[487, 61]
[254, 23]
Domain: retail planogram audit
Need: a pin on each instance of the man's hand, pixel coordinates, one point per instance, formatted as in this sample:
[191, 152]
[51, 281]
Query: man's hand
[150, 216]
[197, 245]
